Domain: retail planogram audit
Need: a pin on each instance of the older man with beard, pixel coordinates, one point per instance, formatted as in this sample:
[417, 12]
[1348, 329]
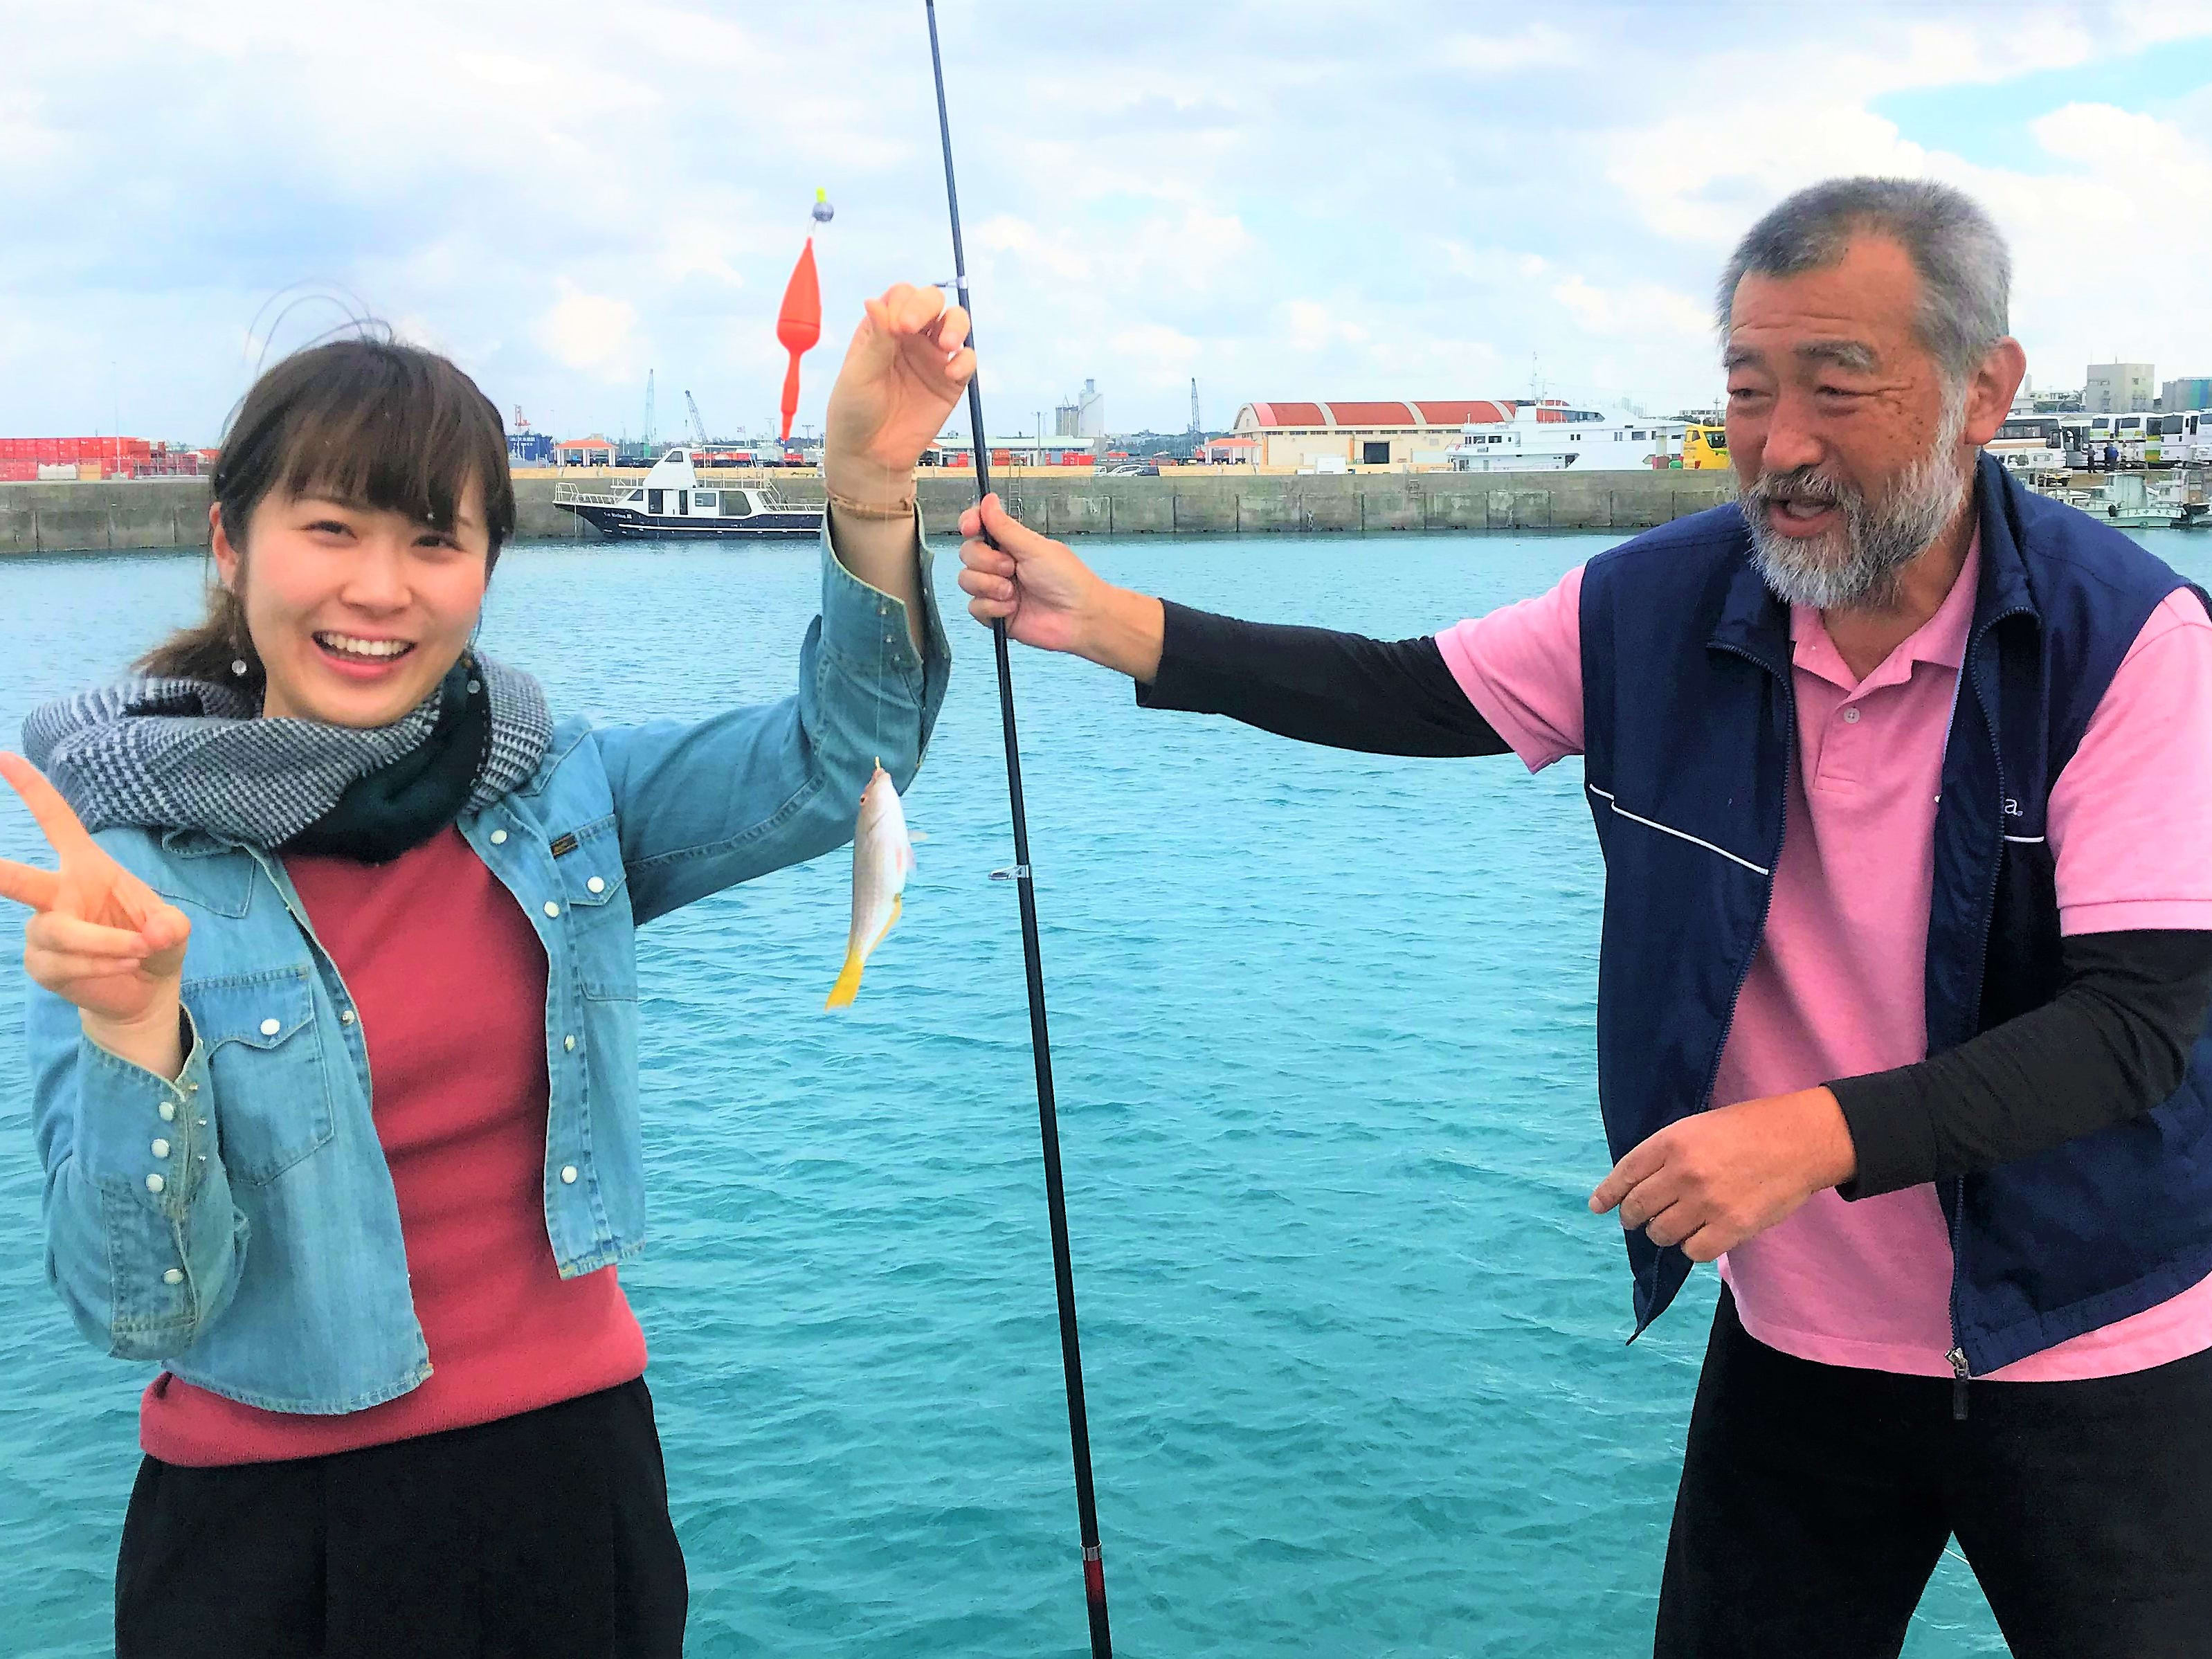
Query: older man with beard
[1904, 781]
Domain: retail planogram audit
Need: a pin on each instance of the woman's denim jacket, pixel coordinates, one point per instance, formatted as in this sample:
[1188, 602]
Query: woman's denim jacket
[239, 1223]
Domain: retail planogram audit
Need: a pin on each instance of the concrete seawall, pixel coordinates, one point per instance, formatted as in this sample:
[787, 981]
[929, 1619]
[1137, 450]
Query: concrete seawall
[149, 512]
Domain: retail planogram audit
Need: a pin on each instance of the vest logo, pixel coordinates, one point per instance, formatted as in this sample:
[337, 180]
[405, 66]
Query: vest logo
[2012, 809]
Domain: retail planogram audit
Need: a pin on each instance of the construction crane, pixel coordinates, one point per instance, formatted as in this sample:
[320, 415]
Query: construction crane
[521, 420]
[1194, 425]
[698, 426]
[649, 410]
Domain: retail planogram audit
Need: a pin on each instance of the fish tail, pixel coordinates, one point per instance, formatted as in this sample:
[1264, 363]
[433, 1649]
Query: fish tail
[848, 983]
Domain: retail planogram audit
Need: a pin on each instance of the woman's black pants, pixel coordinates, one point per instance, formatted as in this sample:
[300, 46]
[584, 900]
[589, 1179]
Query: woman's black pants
[541, 1536]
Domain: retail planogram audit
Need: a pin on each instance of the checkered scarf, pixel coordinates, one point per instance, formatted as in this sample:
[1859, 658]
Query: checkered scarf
[171, 754]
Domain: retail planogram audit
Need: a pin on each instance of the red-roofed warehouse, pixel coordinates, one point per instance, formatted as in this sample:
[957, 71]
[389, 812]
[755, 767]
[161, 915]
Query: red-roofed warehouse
[1416, 432]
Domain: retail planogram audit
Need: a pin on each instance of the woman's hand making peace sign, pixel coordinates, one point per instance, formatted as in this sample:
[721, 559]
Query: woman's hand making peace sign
[98, 937]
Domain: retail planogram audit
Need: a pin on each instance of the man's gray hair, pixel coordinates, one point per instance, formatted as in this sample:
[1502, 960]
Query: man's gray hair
[1965, 269]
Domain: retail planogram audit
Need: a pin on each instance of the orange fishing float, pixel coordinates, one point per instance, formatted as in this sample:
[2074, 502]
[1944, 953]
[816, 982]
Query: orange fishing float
[799, 321]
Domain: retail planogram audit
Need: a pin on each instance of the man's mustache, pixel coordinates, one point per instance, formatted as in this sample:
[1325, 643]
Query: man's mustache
[1802, 483]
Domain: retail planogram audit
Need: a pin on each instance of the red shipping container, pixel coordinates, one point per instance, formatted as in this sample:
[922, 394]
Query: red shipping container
[15, 472]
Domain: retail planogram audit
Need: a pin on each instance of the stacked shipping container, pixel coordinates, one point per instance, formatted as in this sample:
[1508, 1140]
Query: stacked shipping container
[25, 460]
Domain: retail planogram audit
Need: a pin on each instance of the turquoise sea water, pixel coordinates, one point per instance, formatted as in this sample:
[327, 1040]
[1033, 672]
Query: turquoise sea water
[1322, 1024]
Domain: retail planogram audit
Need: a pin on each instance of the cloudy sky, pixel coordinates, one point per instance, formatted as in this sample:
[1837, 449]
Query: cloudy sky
[1283, 199]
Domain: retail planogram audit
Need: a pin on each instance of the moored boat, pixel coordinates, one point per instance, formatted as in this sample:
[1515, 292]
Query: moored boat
[671, 502]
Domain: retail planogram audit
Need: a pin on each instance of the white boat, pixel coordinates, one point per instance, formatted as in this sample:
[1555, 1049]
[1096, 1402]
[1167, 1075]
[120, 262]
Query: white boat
[671, 502]
[1550, 436]
[2127, 502]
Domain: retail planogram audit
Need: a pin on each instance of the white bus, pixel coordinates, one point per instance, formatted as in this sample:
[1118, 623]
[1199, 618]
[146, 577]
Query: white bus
[2029, 444]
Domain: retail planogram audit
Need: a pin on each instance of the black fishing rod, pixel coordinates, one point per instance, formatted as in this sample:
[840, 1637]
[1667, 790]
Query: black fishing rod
[1063, 1274]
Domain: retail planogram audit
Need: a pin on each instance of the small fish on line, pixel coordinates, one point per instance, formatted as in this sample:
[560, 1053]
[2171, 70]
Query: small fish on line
[883, 858]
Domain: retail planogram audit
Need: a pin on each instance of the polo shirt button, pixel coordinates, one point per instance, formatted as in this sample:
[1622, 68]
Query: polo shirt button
[569, 1043]
[568, 1175]
[270, 1027]
[551, 908]
[155, 1183]
[597, 884]
[499, 837]
[161, 1149]
[347, 1018]
[168, 1111]
[174, 1276]
[1851, 717]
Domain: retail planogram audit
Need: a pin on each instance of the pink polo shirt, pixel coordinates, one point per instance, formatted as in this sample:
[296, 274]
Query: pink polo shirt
[1836, 988]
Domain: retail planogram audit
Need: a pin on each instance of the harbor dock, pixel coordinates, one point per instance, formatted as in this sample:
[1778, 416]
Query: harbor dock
[118, 514]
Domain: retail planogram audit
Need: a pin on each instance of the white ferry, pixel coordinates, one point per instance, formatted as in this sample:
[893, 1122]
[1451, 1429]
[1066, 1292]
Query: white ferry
[671, 503]
[1549, 436]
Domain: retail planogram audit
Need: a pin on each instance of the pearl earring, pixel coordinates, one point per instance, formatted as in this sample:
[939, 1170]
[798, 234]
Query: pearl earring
[238, 667]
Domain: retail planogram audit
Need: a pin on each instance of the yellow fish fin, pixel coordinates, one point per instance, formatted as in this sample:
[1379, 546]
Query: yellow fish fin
[848, 979]
[848, 983]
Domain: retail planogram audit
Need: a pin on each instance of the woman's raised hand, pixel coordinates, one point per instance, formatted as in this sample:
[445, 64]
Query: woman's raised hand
[1051, 600]
[98, 936]
[907, 366]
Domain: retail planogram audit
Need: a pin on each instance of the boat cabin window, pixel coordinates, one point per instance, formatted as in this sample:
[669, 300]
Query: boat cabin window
[737, 503]
[704, 499]
[652, 500]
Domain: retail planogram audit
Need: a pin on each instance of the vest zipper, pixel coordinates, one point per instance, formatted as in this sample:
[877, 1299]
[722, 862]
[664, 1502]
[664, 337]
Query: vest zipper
[1773, 863]
[1773, 860]
[1959, 1372]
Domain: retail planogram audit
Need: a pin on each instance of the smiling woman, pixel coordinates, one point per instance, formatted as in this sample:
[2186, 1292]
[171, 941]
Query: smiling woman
[373, 479]
[324, 839]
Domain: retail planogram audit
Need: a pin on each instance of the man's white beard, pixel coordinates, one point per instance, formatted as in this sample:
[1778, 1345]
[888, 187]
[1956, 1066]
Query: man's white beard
[1857, 563]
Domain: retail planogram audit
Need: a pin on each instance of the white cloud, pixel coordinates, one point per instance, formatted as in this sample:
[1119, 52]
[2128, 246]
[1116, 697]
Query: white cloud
[1309, 326]
[1643, 308]
[1256, 194]
[1539, 46]
[591, 331]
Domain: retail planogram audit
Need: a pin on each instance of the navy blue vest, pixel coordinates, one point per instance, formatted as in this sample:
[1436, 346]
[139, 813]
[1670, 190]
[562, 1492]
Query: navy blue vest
[1691, 732]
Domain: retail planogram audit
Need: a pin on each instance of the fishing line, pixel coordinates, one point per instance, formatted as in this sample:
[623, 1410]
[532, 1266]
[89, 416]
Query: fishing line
[1079, 1429]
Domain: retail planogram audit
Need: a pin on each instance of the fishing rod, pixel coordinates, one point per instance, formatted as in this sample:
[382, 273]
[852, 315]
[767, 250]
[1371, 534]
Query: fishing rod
[1063, 1274]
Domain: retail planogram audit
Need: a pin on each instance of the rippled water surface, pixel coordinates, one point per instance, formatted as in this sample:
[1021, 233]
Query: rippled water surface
[1322, 1026]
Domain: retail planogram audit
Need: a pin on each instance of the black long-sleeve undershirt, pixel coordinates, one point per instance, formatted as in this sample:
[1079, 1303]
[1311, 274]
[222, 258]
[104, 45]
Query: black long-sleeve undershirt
[2110, 1047]
[1383, 696]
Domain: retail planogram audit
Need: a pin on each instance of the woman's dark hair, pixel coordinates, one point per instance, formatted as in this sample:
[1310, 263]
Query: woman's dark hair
[366, 422]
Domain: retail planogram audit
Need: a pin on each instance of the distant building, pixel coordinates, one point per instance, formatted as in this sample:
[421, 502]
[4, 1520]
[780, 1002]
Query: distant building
[529, 449]
[2192, 391]
[1083, 416]
[1418, 433]
[593, 451]
[1233, 450]
[2118, 389]
[1022, 449]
